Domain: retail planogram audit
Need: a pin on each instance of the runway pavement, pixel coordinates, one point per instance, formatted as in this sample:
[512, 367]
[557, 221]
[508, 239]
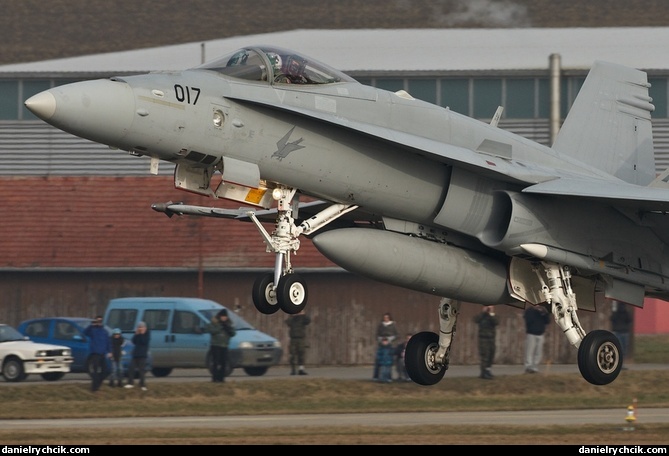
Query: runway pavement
[517, 418]
[341, 372]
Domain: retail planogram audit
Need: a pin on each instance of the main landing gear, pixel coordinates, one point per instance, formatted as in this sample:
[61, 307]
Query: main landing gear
[599, 352]
[284, 289]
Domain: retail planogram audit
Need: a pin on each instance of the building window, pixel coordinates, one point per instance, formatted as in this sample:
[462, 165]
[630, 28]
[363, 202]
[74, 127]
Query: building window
[487, 96]
[519, 96]
[423, 89]
[9, 94]
[455, 95]
[392, 85]
[543, 100]
[658, 92]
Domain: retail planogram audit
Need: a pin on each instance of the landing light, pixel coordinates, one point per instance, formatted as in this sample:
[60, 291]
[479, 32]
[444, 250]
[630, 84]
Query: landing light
[218, 118]
[277, 194]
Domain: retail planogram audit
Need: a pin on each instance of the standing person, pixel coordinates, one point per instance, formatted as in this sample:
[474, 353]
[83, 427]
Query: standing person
[100, 346]
[387, 329]
[402, 374]
[221, 331]
[487, 322]
[117, 344]
[621, 325]
[536, 319]
[298, 345]
[385, 358]
[140, 352]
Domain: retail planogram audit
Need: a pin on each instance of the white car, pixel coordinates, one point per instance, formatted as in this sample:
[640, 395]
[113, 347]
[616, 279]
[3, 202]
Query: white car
[19, 357]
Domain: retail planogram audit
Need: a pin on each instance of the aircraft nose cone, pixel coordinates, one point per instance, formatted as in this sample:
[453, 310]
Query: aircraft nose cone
[100, 110]
[43, 105]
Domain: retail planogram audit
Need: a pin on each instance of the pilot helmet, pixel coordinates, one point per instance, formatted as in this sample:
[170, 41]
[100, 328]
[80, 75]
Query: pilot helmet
[275, 61]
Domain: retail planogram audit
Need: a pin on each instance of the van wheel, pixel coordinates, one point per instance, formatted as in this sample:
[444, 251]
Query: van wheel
[256, 371]
[161, 371]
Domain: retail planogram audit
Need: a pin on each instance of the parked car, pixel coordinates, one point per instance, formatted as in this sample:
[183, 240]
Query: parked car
[178, 339]
[20, 357]
[69, 331]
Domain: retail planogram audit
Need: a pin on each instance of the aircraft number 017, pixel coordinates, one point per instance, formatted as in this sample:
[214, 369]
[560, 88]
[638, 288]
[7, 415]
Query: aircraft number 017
[183, 94]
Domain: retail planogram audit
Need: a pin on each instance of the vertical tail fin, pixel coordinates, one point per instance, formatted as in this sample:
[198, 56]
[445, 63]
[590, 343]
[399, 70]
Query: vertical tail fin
[609, 125]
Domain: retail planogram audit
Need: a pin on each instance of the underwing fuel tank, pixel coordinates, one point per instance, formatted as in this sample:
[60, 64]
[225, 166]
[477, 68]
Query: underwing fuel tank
[417, 264]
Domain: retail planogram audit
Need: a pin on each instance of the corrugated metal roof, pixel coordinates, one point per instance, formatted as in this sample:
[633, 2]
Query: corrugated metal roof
[407, 50]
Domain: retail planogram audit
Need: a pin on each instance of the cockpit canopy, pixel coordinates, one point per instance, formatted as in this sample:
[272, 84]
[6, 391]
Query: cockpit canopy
[275, 66]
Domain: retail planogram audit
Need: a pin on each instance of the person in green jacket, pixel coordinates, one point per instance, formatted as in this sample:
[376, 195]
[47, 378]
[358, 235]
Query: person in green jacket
[221, 331]
[298, 343]
[487, 322]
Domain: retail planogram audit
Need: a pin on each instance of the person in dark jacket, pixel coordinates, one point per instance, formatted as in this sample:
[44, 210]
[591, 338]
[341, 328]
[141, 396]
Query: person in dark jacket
[117, 344]
[221, 331]
[140, 352]
[298, 341]
[388, 329]
[536, 319]
[487, 322]
[385, 358]
[100, 346]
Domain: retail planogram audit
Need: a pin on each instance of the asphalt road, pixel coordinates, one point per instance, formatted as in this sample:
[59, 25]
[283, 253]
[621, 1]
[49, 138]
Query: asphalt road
[340, 372]
[518, 418]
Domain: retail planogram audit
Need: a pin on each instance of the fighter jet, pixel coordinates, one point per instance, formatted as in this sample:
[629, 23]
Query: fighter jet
[404, 191]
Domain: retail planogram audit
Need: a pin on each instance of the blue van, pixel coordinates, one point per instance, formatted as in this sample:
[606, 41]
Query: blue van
[178, 339]
[69, 331]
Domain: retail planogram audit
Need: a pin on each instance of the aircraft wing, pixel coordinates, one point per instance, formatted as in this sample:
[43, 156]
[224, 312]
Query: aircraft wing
[616, 193]
[484, 161]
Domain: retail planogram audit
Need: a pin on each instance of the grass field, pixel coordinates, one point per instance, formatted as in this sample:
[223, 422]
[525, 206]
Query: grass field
[317, 395]
[287, 396]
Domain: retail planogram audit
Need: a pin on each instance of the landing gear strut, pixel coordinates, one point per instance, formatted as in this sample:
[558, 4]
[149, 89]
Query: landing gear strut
[599, 352]
[427, 354]
[284, 289]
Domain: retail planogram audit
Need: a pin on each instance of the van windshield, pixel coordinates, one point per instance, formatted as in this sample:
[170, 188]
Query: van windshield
[237, 322]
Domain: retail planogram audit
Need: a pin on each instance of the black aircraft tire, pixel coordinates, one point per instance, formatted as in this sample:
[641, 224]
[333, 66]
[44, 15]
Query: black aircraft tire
[600, 357]
[264, 297]
[419, 359]
[292, 294]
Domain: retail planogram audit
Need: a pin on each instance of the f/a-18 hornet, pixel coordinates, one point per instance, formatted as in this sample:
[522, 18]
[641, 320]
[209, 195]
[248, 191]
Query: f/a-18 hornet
[404, 191]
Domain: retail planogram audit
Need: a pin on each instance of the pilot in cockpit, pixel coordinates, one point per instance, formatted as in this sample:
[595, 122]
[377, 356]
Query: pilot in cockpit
[288, 69]
[294, 69]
